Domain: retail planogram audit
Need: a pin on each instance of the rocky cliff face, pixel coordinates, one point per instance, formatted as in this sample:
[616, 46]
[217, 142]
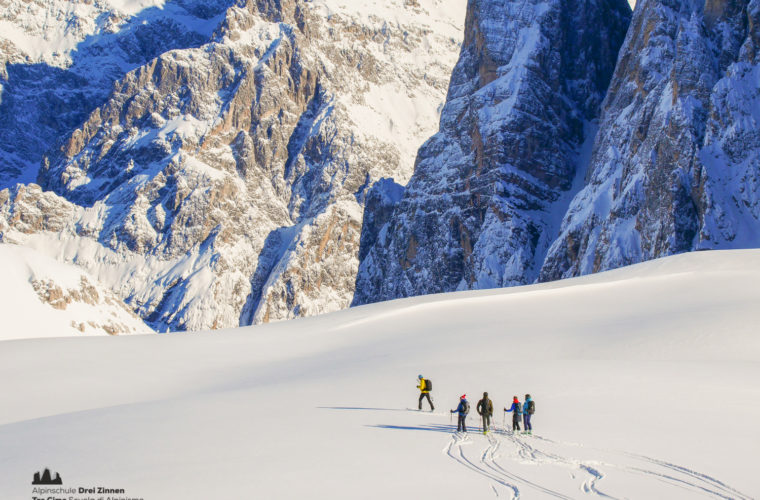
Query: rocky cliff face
[226, 163]
[224, 184]
[490, 187]
[675, 166]
[59, 60]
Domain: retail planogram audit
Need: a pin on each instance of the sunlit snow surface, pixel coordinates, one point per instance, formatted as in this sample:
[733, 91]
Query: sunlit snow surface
[645, 381]
[41, 297]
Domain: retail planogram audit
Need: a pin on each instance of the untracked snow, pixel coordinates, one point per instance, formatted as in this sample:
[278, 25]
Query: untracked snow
[42, 297]
[645, 382]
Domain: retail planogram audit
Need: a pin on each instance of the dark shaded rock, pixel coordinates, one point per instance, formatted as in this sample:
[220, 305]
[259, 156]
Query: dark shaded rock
[489, 188]
[676, 164]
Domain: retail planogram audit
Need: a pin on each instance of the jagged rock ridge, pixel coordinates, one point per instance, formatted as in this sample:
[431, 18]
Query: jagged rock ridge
[676, 164]
[59, 60]
[490, 186]
[235, 181]
[224, 184]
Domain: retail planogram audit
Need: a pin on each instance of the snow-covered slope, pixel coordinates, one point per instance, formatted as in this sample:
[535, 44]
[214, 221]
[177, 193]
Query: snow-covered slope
[645, 381]
[42, 297]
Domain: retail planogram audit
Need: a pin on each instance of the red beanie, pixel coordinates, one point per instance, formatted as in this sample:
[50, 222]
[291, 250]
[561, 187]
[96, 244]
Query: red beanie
[463, 396]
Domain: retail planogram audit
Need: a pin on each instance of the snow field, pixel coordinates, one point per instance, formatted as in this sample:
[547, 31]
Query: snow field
[644, 380]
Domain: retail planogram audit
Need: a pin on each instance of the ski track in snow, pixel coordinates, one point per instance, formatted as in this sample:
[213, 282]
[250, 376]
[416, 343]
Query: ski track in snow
[500, 469]
[455, 451]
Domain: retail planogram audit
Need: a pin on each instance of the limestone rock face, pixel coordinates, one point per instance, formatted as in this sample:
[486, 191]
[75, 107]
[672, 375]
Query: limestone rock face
[489, 188]
[60, 58]
[215, 164]
[223, 182]
[676, 164]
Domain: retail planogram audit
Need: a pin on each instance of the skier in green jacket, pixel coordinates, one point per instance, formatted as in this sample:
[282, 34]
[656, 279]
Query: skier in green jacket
[485, 410]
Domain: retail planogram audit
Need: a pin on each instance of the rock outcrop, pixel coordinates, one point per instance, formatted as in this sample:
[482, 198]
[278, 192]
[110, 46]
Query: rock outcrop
[489, 188]
[42, 297]
[226, 163]
[60, 59]
[676, 164]
[226, 183]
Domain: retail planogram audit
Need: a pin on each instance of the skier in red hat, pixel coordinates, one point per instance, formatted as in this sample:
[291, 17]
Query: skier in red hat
[516, 408]
[463, 409]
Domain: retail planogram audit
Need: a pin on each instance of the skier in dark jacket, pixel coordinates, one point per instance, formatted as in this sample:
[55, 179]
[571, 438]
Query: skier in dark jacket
[516, 410]
[463, 409]
[528, 409]
[424, 393]
[485, 410]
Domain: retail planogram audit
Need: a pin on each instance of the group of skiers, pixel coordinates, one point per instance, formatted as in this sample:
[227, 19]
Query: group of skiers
[484, 408]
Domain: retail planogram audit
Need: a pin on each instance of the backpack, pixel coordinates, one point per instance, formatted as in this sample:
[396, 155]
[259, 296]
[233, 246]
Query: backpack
[466, 407]
[531, 407]
[428, 385]
[518, 408]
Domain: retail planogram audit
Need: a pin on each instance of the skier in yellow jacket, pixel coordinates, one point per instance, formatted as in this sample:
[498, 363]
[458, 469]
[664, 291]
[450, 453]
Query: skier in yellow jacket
[424, 386]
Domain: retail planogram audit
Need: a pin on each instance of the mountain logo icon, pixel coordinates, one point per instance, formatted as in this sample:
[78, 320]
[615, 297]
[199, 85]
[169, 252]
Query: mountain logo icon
[47, 478]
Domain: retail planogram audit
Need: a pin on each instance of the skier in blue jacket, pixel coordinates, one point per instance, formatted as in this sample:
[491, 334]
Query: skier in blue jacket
[516, 408]
[528, 409]
[463, 409]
